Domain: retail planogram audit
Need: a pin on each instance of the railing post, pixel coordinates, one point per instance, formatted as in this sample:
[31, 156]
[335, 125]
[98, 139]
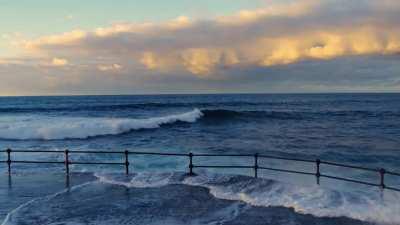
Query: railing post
[9, 160]
[67, 183]
[256, 165]
[191, 164]
[318, 173]
[126, 162]
[66, 152]
[382, 175]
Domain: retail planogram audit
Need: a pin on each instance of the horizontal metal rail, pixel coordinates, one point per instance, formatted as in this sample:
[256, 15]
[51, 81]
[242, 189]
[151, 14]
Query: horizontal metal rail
[222, 166]
[97, 152]
[158, 153]
[224, 155]
[67, 162]
[43, 162]
[284, 170]
[286, 158]
[350, 180]
[35, 151]
[392, 173]
[96, 163]
[349, 166]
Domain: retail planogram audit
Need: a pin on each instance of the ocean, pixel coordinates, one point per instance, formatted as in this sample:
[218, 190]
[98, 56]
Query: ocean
[355, 129]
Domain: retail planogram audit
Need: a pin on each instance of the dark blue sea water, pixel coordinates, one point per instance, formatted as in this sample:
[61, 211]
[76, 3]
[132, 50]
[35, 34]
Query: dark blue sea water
[357, 129]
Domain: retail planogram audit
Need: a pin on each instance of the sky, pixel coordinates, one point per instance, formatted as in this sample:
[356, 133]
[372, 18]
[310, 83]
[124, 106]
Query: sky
[73, 47]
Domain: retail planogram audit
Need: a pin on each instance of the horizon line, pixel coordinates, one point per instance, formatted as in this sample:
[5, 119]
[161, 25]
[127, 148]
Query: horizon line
[211, 93]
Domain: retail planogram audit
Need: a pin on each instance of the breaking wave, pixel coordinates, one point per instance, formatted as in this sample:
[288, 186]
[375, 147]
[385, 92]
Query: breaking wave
[48, 128]
[52, 128]
[55, 128]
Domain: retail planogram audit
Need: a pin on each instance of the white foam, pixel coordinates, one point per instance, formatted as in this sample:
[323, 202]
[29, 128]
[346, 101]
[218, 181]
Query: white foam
[318, 201]
[139, 180]
[51, 128]
[83, 204]
[321, 202]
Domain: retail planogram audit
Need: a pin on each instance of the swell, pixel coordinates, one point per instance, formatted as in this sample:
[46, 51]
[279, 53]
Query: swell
[249, 114]
[56, 128]
[144, 106]
[72, 105]
[295, 115]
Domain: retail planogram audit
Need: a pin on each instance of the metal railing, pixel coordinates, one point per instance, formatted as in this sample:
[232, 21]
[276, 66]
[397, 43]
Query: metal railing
[255, 166]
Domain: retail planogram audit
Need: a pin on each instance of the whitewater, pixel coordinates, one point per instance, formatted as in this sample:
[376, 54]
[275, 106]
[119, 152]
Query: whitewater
[243, 193]
[53, 128]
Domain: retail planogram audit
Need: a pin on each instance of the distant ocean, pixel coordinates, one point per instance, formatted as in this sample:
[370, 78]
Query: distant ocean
[357, 129]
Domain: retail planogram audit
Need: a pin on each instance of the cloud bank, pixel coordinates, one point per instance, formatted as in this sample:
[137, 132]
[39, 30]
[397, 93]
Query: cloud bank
[274, 37]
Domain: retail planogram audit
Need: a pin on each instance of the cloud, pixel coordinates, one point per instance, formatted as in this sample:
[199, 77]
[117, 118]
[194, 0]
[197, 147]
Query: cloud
[149, 60]
[64, 40]
[291, 9]
[112, 67]
[59, 62]
[275, 35]
[232, 52]
[200, 61]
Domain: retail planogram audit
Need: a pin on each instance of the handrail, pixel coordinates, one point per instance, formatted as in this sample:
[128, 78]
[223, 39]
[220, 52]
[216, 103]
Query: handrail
[382, 172]
[349, 166]
[393, 173]
[221, 166]
[284, 170]
[286, 158]
[158, 153]
[223, 155]
[44, 162]
[350, 180]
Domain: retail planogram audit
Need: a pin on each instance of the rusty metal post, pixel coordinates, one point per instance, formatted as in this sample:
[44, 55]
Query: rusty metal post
[126, 162]
[256, 165]
[9, 160]
[191, 164]
[382, 175]
[66, 152]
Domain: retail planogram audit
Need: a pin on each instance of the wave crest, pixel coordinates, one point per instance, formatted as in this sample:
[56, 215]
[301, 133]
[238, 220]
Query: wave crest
[53, 128]
[48, 128]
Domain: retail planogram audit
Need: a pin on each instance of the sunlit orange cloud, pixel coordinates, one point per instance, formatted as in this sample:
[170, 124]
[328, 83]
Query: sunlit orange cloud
[59, 62]
[276, 35]
[61, 39]
[175, 24]
[293, 9]
[112, 67]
